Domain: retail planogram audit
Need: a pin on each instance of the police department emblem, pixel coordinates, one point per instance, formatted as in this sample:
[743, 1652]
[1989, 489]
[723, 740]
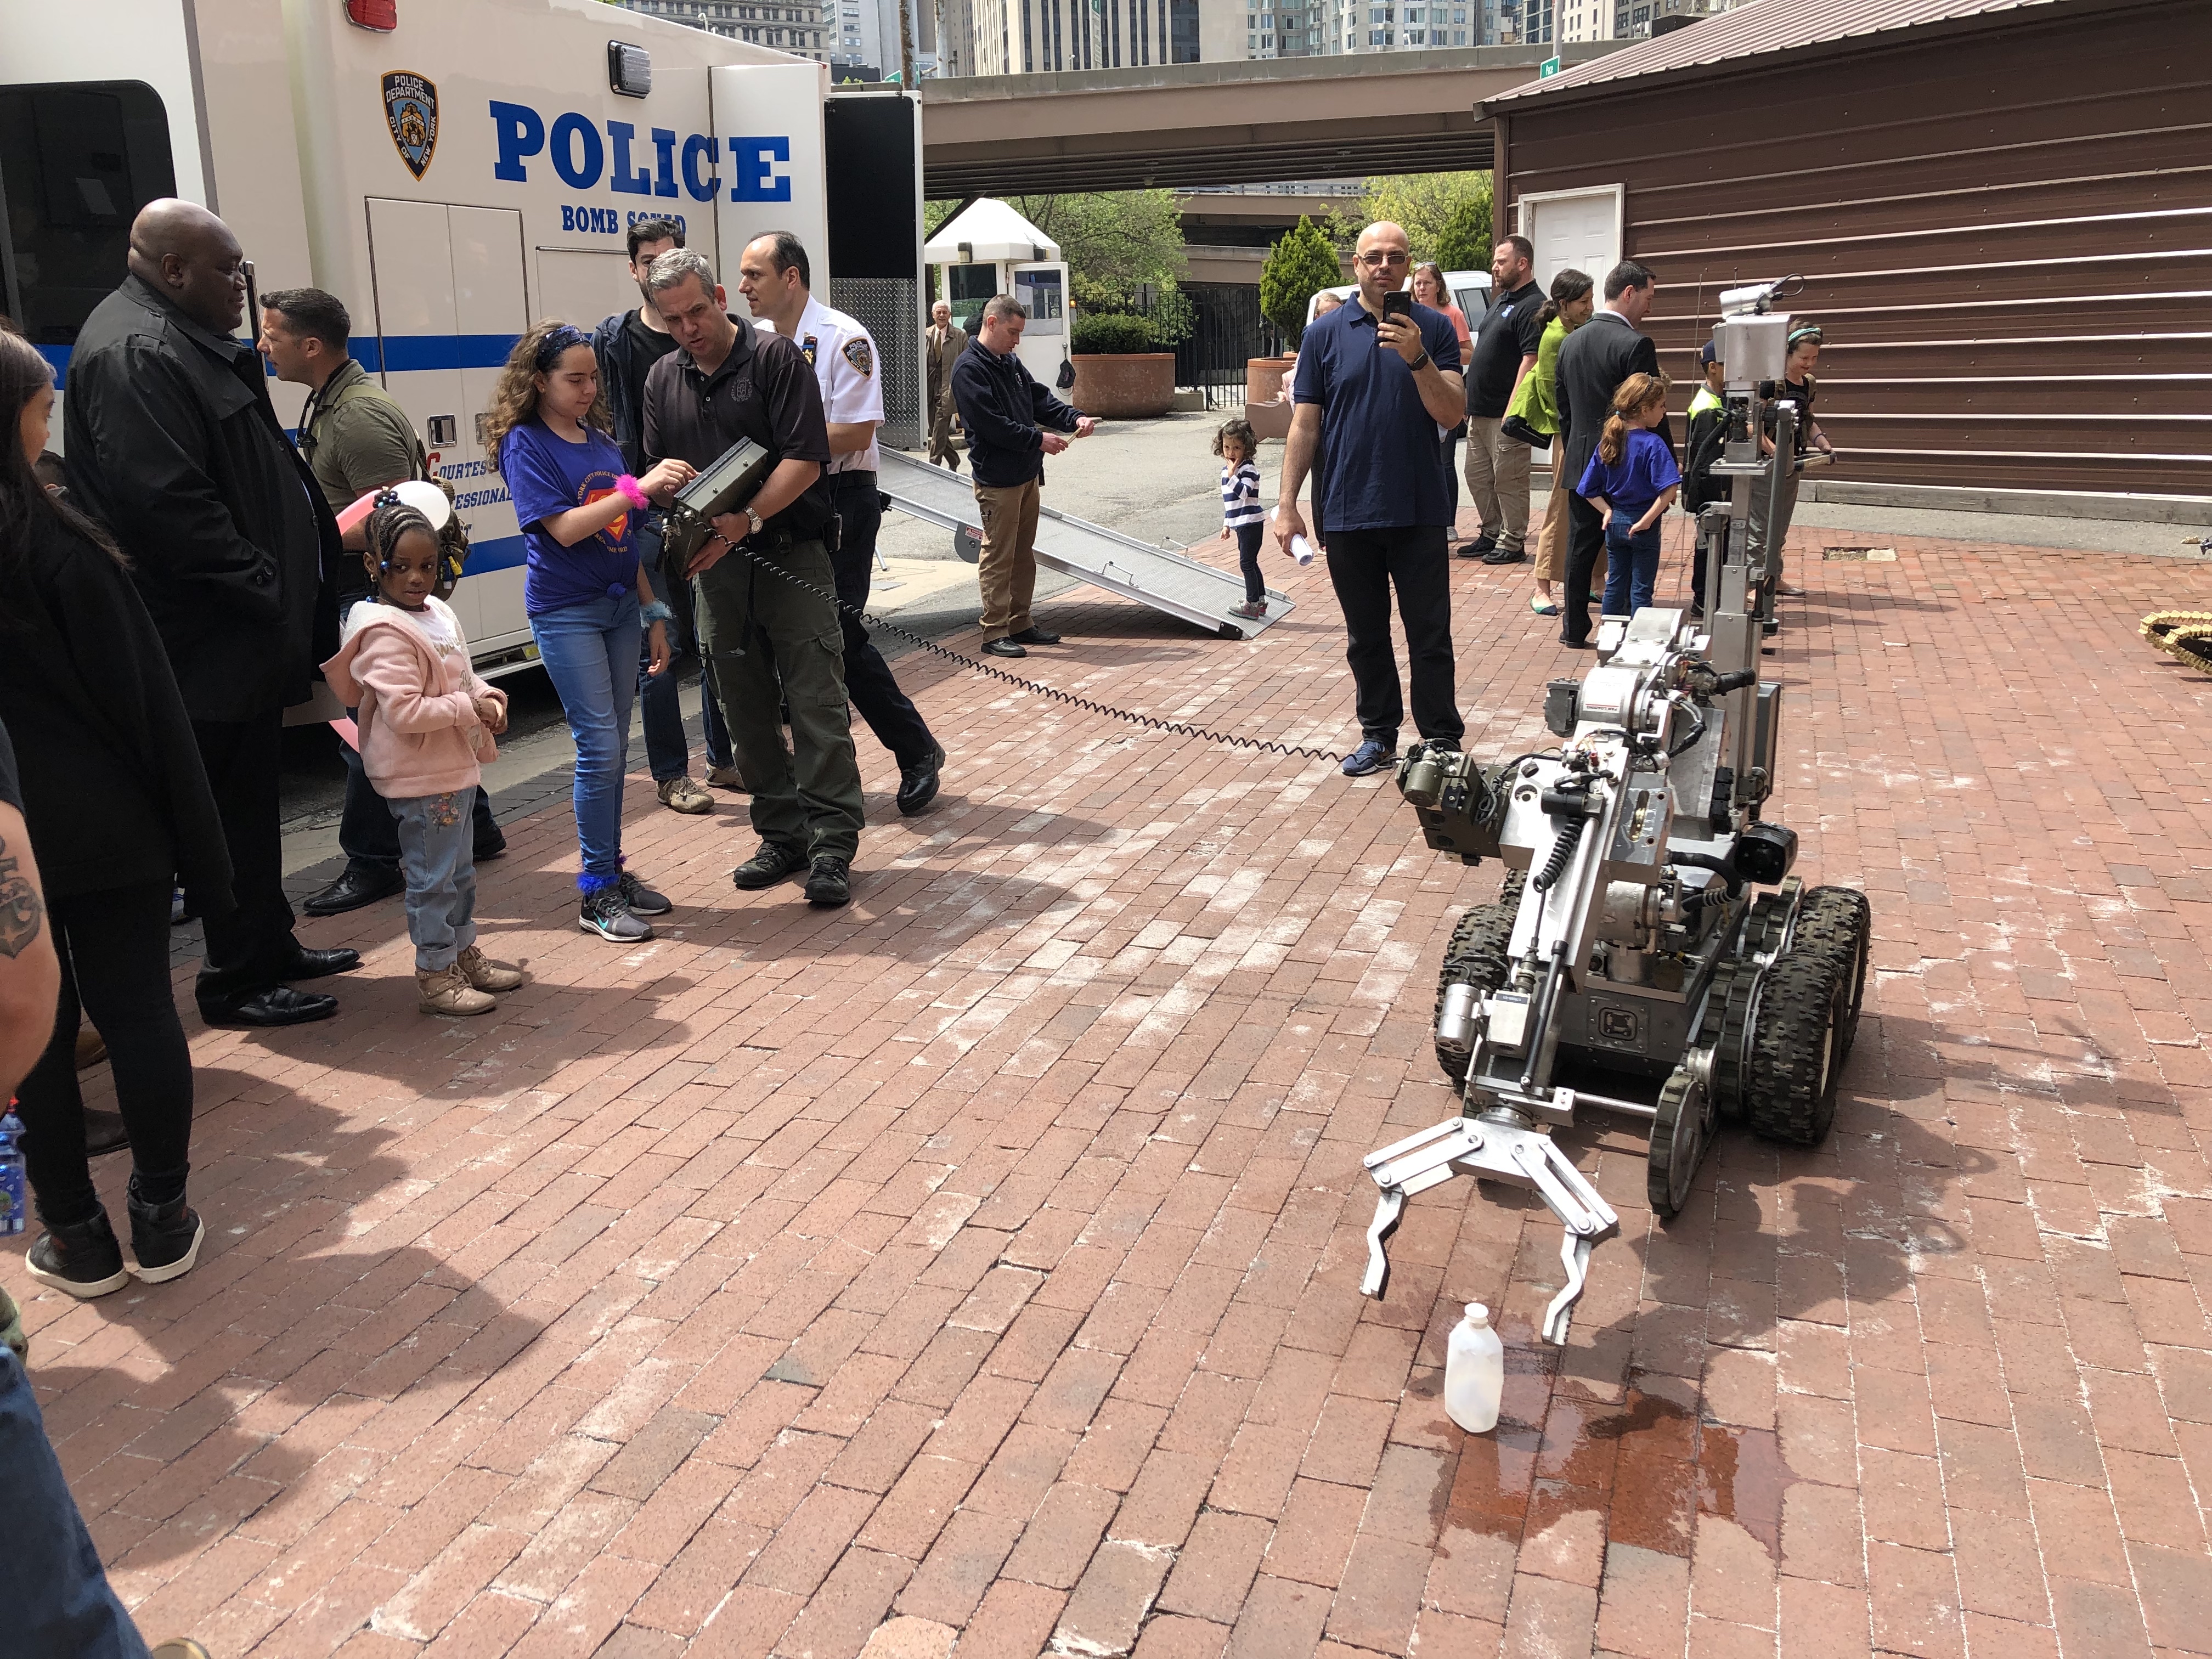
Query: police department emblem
[411, 105]
[858, 354]
[809, 347]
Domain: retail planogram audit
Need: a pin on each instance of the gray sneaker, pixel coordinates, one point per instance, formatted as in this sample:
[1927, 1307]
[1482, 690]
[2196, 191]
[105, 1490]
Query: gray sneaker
[640, 898]
[604, 913]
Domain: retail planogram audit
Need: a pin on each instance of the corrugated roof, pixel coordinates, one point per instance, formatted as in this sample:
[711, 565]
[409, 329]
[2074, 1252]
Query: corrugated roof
[1756, 30]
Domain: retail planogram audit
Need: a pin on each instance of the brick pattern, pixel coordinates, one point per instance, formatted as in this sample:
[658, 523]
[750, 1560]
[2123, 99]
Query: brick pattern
[974, 1270]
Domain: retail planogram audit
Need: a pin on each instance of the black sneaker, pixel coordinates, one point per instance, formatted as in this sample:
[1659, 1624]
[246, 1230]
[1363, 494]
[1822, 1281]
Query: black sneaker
[1504, 556]
[830, 884]
[642, 899]
[768, 867]
[165, 1241]
[1478, 547]
[604, 913]
[919, 781]
[83, 1260]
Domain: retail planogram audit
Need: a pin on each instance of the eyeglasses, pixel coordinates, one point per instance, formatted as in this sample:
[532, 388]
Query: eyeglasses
[1378, 261]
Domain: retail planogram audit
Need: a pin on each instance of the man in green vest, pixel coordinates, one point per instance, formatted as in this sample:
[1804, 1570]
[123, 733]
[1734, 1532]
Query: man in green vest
[356, 438]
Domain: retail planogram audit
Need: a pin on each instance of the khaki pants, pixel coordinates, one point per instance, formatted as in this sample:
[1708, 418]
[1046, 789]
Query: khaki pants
[771, 643]
[1552, 544]
[941, 450]
[1498, 483]
[1007, 570]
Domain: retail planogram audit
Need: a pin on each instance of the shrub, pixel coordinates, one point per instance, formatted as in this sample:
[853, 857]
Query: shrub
[1114, 334]
[1299, 266]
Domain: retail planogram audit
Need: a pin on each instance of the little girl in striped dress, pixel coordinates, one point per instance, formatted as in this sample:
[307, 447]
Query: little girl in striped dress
[1241, 516]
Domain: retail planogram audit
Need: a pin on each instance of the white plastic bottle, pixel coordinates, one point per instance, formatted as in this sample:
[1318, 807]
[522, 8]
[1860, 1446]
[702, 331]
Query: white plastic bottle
[1474, 1372]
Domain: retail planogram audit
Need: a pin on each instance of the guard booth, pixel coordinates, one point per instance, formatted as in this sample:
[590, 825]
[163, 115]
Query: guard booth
[988, 248]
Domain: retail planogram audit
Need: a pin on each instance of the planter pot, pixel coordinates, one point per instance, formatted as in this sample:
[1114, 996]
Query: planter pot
[1138, 386]
[1264, 378]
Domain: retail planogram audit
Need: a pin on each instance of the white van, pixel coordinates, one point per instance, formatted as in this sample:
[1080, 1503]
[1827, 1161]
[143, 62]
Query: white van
[451, 169]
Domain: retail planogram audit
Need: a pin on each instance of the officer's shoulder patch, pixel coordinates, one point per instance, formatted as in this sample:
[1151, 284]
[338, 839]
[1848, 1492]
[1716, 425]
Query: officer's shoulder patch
[858, 354]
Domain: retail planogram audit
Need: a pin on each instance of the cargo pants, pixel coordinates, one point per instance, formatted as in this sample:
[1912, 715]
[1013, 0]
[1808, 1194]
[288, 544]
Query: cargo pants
[773, 643]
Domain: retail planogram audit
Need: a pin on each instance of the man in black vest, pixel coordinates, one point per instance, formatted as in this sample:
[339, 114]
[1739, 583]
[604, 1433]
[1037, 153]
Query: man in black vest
[1596, 359]
[173, 444]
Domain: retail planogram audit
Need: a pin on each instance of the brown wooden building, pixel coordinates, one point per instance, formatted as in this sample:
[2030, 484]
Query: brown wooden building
[2001, 210]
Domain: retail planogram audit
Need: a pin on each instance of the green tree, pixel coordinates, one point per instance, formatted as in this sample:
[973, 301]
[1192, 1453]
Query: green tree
[1123, 248]
[1439, 211]
[1299, 265]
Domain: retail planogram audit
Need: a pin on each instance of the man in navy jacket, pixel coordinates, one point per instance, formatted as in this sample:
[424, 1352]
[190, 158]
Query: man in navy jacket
[1007, 414]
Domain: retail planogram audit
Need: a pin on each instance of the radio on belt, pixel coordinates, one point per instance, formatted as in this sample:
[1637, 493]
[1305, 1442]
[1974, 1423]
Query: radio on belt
[733, 479]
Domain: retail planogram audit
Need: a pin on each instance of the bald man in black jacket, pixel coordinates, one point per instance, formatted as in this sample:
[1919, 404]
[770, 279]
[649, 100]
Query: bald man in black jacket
[1593, 363]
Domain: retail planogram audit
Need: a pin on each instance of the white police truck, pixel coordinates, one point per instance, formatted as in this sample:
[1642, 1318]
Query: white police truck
[451, 169]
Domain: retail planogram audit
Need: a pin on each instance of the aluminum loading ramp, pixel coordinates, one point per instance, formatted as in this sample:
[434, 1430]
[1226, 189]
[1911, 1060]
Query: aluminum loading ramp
[1156, 576]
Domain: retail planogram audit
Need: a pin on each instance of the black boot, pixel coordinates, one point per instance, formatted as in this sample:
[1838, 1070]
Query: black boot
[82, 1258]
[166, 1238]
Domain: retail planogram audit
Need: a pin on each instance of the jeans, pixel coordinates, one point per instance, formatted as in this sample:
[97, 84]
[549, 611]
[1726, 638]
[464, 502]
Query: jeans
[442, 875]
[771, 642]
[52, 1582]
[1631, 566]
[254, 947]
[660, 696]
[590, 654]
[869, 683]
[1451, 447]
[1248, 561]
[367, 835]
[114, 950]
[1769, 529]
[1363, 566]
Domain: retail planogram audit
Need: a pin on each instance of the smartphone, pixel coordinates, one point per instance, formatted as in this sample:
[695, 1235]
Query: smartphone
[1399, 305]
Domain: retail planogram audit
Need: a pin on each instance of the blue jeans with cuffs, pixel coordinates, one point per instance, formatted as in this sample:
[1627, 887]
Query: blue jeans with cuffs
[438, 857]
[1631, 567]
[590, 654]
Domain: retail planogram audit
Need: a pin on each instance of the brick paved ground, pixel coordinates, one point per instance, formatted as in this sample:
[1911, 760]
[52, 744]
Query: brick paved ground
[980, 1261]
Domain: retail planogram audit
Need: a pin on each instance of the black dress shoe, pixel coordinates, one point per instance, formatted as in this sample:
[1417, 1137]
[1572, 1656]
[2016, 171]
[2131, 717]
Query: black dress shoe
[279, 1004]
[485, 851]
[1035, 635]
[918, 783]
[355, 888]
[1003, 649]
[320, 964]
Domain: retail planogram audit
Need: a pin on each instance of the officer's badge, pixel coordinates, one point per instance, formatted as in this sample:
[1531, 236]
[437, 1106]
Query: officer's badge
[858, 354]
[411, 106]
[812, 348]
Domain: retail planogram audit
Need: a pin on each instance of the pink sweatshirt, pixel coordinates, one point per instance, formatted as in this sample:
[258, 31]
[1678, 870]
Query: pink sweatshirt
[415, 706]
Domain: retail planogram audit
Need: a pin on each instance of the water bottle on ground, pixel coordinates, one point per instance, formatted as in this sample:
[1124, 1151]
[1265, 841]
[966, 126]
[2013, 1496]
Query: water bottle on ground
[1474, 1372]
[14, 1192]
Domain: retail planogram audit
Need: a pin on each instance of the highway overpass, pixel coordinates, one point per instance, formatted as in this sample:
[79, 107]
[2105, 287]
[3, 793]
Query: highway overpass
[1187, 124]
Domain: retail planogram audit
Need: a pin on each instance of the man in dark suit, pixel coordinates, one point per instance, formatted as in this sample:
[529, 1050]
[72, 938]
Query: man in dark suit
[1596, 359]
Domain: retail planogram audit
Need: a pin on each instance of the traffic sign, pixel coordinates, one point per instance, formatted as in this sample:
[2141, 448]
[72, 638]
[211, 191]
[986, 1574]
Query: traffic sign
[1549, 67]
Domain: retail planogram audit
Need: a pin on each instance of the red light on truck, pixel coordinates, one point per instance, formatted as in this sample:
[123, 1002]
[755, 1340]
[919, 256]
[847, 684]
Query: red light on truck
[380, 15]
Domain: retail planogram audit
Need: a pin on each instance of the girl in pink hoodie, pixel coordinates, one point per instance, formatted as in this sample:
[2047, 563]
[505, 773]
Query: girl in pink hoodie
[425, 724]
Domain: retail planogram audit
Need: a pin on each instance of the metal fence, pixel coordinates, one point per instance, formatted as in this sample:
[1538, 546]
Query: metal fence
[1224, 329]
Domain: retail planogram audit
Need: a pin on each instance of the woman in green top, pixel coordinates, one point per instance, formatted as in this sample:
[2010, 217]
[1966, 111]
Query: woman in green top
[1573, 299]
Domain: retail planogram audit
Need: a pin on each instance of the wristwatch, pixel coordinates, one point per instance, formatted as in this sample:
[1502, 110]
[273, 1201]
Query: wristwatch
[754, 520]
[1420, 363]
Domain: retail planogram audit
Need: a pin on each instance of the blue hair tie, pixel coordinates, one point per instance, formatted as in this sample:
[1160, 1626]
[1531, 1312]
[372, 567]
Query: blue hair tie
[551, 348]
[617, 590]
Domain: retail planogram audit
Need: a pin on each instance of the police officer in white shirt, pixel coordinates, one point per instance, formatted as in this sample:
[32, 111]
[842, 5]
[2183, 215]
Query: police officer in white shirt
[773, 276]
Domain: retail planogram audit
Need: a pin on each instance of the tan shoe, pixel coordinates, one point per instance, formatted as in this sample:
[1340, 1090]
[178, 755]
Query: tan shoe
[726, 777]
[481, 971]
[682, 795]
[447, 991]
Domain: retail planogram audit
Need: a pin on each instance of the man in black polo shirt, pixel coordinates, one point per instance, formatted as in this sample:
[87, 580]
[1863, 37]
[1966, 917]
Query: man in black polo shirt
[768, 638]
[1504, 351]
[1371, 392]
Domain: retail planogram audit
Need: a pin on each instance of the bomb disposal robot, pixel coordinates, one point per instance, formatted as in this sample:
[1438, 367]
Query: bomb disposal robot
[1626, 938]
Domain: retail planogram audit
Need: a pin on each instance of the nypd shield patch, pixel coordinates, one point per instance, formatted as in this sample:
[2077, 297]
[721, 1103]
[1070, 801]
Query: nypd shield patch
[810, 348]
[858, 354]
[411, 106]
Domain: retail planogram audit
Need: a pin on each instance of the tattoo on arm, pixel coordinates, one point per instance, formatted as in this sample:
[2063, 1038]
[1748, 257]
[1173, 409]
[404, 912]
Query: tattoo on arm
[22, 913]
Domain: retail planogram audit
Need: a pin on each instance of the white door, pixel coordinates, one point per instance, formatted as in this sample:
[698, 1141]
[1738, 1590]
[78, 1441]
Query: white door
[449, 307]
[583, 286]
[1576, 230]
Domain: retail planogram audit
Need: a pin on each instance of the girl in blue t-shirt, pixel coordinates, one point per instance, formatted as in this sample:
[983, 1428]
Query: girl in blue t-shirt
[1631, 480]
[583, 589]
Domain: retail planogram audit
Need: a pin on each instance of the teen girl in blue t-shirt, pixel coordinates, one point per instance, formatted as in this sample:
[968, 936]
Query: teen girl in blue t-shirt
[583, 588]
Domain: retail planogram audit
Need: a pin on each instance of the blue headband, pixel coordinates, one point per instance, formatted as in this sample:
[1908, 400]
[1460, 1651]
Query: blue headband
[551, 348]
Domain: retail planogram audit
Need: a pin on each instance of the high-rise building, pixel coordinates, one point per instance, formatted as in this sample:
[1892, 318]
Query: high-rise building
[804, 28]
[1030, 37]
[1633, 19]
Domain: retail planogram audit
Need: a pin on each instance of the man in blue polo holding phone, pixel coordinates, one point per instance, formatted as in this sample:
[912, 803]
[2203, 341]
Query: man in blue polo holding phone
[1377, 385]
